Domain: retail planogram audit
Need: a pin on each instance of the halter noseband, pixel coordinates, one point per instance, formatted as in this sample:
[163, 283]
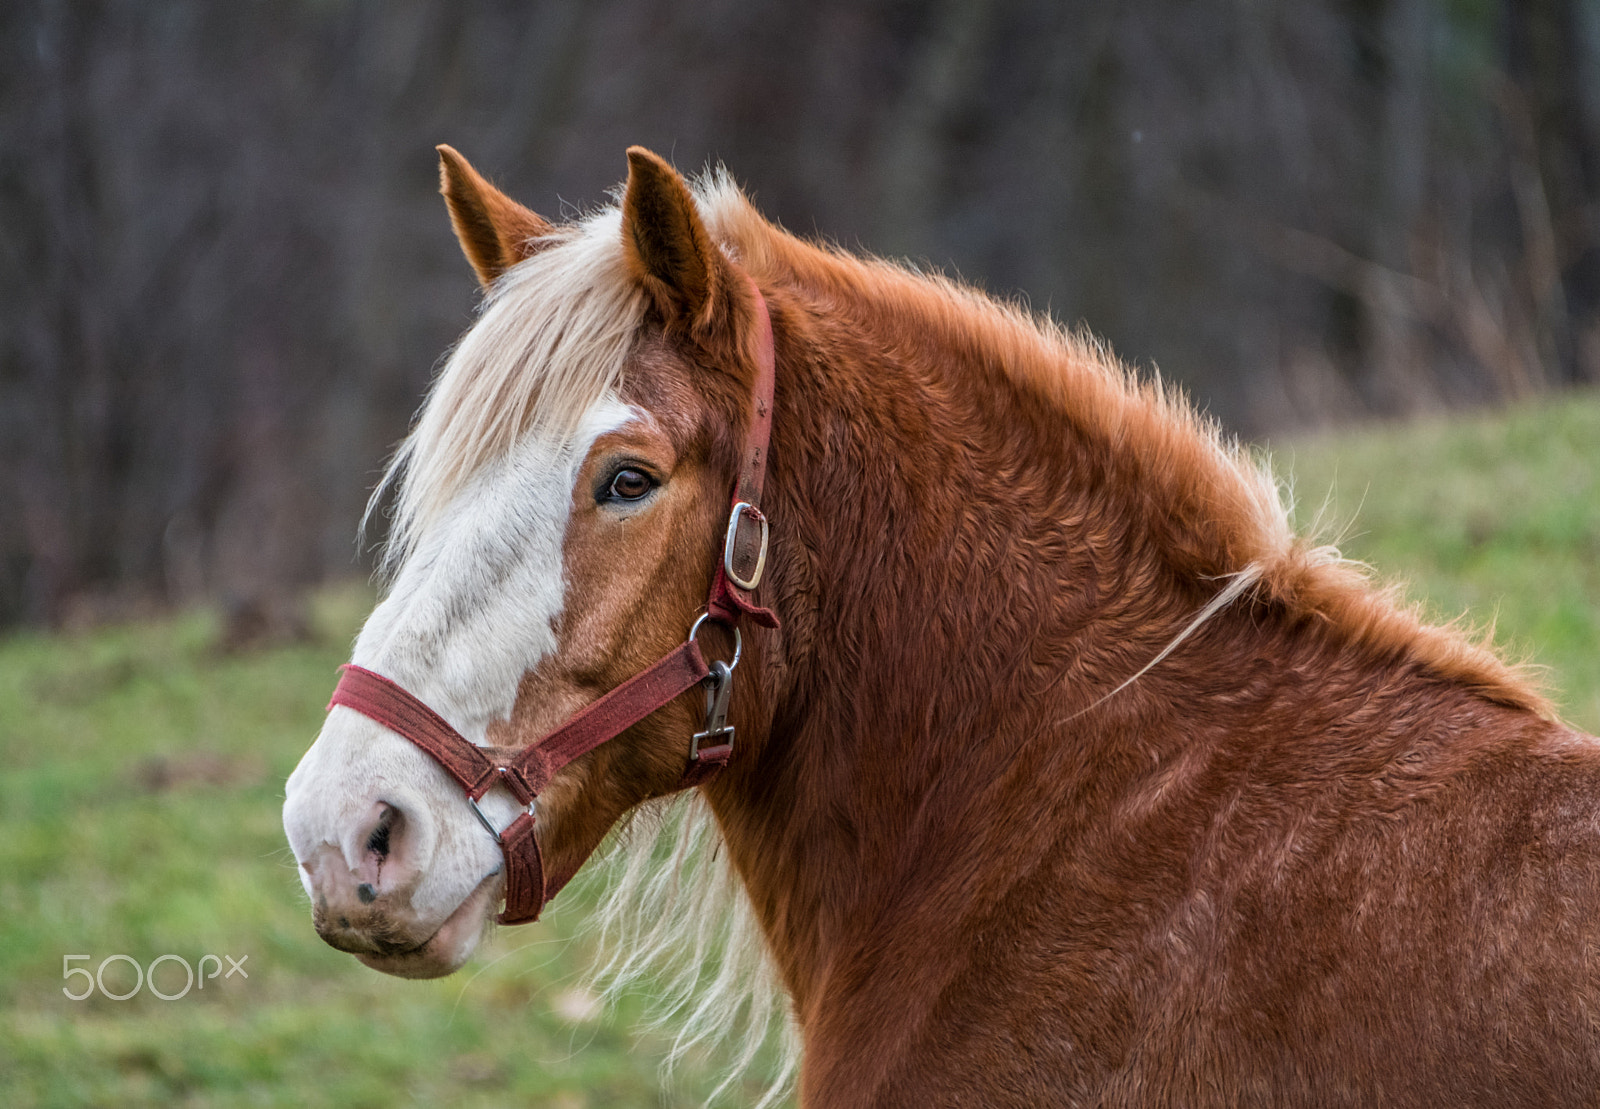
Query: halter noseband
[527, 770]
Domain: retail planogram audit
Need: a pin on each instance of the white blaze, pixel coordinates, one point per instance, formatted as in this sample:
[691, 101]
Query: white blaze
[472, 609]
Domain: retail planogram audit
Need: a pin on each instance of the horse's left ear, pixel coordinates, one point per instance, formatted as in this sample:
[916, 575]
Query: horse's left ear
[670, 251]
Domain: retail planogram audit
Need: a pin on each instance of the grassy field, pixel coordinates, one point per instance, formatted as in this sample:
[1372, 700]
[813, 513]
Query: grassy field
[141, 777]
[1495, 518]
[139, 815]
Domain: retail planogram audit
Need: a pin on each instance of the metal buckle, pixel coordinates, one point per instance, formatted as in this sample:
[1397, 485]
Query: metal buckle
[485, 821]
[719, 685]
[733, 533]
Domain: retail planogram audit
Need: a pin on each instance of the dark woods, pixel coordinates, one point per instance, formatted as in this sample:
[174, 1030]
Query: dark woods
[225, 272]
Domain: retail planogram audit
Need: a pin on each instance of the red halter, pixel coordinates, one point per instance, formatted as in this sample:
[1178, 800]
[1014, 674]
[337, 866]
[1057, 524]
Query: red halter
[527, 770]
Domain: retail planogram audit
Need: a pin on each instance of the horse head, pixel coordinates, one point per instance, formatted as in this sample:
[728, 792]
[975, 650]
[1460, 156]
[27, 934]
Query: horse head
[562, 510]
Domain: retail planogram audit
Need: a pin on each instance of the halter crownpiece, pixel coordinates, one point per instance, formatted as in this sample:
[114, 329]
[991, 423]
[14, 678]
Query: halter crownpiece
[527, 770]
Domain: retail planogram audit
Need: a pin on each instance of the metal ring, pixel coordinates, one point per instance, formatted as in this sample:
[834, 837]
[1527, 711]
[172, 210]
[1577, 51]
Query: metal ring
[484, 819]
[738, 640]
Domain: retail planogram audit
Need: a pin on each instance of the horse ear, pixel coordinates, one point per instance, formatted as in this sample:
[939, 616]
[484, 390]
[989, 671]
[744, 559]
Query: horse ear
[495, 231]
[668, 247]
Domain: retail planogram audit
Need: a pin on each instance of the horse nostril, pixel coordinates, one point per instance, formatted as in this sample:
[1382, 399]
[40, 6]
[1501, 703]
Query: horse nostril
[382, 856]
[386, 857]
[378, 838]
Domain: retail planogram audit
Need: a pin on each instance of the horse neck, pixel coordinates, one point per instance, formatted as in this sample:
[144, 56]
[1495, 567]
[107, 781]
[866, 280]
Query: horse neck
[944, 553]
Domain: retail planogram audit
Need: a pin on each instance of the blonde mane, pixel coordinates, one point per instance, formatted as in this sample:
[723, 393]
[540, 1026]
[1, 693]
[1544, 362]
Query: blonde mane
[676, 916]
[554, 335]
[551, 338]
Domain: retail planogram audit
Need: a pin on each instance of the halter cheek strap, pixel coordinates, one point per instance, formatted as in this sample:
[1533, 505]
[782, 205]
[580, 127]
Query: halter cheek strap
[526, 771]
[744, 547]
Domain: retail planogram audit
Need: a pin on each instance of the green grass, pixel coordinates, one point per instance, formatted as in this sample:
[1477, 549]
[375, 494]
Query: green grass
[139, 814]
[1494, 517]
[141, 776]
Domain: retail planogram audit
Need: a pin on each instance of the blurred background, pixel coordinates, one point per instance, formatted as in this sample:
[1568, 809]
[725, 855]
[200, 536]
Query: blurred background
[225, 275]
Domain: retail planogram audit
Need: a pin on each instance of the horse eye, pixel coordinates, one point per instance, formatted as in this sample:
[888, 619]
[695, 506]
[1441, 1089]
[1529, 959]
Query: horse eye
[629, 485]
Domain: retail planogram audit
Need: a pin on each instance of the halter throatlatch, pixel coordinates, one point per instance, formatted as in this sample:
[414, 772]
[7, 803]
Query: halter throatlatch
[525, 771]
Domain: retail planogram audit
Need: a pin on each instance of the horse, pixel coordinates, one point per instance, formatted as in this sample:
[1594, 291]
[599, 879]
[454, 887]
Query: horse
[1046, 763]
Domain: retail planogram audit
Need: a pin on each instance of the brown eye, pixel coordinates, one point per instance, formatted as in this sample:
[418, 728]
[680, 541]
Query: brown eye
[629, 485]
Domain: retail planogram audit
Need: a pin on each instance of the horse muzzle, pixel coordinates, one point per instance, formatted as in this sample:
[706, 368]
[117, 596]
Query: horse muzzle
[377, 923]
